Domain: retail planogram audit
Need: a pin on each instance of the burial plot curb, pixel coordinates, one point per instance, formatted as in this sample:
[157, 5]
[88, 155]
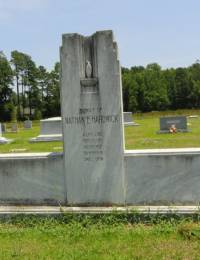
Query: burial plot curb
[57, 210]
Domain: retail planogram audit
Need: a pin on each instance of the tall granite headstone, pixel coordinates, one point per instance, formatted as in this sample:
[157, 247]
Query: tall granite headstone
[92, 119]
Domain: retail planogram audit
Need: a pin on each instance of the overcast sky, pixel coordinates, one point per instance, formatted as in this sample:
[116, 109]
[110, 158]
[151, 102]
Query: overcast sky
[162, 31]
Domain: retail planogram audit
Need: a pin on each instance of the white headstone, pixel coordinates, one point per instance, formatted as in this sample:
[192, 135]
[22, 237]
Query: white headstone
[50, 130]
[51, 126]
[92, 119]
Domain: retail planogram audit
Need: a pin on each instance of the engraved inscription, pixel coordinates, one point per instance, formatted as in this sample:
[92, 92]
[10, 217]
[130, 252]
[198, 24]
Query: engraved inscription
[91, 121]
[93, 146]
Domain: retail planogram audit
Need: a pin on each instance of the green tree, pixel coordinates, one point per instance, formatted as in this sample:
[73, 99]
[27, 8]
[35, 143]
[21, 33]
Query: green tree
[52, 93]
[155, 92]
[6, 81]
[184, 86]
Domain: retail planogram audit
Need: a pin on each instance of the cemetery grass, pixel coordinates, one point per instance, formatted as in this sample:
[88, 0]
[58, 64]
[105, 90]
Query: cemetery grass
[144, 136]
[110, 238]
[21, 142]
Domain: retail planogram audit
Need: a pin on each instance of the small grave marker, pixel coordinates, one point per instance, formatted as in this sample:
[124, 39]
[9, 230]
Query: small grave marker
[28, 124]
[14, 128]
[179, 123]
[128, 119]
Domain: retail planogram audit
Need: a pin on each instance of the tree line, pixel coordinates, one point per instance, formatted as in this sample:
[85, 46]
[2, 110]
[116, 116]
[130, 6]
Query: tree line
[151, 88]
[27, 91]
[30, 91]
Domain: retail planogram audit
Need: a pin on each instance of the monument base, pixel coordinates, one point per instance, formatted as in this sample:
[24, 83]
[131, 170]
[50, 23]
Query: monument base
[177, 131]
[131, 124]
[47, 138]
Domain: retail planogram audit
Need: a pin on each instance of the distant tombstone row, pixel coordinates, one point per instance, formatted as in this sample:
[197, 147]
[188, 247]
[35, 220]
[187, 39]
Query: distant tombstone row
[176, 123]
[13, 129]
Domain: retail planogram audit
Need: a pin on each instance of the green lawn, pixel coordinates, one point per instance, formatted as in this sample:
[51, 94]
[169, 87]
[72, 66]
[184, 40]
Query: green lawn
[57, 239]
[143, 136]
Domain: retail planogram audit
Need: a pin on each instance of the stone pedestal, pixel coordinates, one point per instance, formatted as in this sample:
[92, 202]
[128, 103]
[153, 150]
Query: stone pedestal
[92, 119]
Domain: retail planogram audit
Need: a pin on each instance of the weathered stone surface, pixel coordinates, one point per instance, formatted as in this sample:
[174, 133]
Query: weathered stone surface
[163, 176]
[180, 122]
[32, 179]
[92, 119]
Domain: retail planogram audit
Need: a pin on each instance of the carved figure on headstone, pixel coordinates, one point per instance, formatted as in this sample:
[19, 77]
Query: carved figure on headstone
[88, 69]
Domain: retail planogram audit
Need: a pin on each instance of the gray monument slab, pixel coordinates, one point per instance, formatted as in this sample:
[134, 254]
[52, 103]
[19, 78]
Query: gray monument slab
[180, 123]
[27, 124]
[92, 119]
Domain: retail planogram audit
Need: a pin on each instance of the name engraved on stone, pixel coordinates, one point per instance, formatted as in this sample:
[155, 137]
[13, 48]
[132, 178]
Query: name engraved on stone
[91, 119]
[173, 122]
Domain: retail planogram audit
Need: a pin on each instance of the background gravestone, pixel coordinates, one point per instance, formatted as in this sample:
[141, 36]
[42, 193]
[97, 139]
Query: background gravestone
[128, 119]
[50, 130]
[180, 122]
[14, 127]
[27, 124]
[92, 119]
